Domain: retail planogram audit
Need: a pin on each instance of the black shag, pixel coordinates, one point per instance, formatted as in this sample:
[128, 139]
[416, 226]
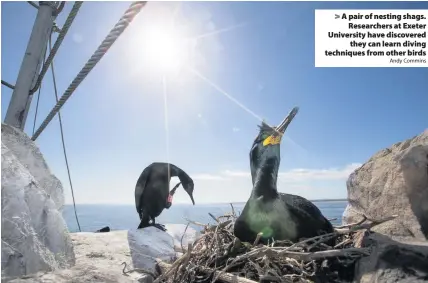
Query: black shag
[152, 193]
[276, 215]
[103, 230]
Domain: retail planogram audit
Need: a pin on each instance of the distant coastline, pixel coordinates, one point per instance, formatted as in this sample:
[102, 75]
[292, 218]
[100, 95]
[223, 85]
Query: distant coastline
[327, 199]
[203, 204]
[312, 200]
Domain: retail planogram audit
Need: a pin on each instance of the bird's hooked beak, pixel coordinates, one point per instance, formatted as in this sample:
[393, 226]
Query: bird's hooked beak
[191, 197]
[280, 129]
[284, 124]
[189, 190]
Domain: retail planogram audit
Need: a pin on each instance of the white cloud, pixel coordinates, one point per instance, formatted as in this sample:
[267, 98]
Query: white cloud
[236, 173]
[300, 174]
[319, 174]
[235, 129]
[211, 177]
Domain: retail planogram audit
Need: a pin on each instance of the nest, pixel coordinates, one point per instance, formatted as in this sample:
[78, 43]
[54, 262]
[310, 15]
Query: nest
[218, 256]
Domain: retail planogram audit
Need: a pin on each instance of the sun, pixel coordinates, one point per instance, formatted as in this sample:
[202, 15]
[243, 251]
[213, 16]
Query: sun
[164, 48]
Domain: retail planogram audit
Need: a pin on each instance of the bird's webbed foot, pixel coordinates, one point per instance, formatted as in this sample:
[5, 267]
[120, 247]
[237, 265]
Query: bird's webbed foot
[159, 226]
[143, 225]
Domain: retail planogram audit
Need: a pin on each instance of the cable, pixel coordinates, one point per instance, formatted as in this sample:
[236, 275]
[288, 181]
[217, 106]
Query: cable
[57, 44]
[7, 84]
[113, 35]
[59, 9]
[62, 136]
[38, 95]
[33, 4]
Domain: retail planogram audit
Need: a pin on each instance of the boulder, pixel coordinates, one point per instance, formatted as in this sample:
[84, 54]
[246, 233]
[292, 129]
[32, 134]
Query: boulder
[393, 182]
[393, 260]
[29, 155]
[100, 256]
[34, 234]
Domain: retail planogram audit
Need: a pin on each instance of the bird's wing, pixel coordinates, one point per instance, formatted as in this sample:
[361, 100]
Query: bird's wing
[139, 188]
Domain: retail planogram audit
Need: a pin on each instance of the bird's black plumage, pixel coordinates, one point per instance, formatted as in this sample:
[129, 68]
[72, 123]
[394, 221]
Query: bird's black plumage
[152, 190]
[277, 215]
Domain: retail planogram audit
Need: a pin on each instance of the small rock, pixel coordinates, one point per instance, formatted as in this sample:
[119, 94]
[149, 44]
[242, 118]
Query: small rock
[145, 278]
[393, 260]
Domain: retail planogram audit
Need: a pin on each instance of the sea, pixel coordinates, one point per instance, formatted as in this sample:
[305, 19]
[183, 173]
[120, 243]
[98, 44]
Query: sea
[122, 217]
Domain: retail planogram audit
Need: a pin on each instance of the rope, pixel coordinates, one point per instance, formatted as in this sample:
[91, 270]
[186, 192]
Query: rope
[114, 34]
[57, 44]
[62, 137]
[7, 84]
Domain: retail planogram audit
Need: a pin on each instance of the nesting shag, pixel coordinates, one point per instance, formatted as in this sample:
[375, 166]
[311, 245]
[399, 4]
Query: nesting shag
[276, 215]
[152, 191]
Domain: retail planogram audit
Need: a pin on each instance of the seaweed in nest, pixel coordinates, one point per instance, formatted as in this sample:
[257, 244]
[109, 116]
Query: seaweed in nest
[218, 256]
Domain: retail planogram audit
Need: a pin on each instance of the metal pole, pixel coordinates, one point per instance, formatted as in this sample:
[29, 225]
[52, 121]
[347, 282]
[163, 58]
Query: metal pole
[20, 102]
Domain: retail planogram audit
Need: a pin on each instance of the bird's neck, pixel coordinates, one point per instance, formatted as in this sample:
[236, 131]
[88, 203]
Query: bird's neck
[177, 172]
[265, 179]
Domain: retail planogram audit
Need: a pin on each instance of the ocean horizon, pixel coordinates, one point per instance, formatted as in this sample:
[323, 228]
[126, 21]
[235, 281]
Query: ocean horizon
[123, 216]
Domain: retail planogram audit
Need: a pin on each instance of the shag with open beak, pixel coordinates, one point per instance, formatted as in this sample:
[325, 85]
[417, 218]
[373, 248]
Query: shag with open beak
[152, 193]
[275, 215]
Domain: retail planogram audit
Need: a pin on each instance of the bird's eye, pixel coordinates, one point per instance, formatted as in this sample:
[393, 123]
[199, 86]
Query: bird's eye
[264, 136]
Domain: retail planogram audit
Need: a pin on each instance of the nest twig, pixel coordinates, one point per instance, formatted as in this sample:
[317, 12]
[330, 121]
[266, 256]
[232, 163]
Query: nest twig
[218, 256]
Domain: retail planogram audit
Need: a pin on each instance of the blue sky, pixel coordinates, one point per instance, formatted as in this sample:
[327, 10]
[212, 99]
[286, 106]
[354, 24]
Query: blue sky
[115, 121]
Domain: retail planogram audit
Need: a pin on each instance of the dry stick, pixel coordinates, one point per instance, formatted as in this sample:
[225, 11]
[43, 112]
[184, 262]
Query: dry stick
[220, 225]
[213, 217]
[226, 277]
[185, 261]
[195, 223]
[366, 225]
[352, 224]
[323, 254]
[358, 226]
[233, 209]
[239, 258]
[302, 256]
[256, 241]
[173, 267]
[182, 237]
[225, 216]
[345, 242]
